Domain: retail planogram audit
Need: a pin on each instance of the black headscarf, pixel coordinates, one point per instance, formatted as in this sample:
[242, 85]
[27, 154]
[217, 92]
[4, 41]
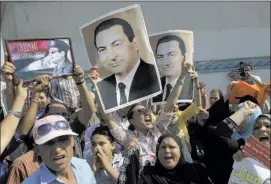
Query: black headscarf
[182, 173]
[173, 173]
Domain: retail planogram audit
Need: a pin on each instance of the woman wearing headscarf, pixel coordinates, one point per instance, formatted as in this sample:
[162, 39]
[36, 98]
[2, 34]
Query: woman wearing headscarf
[258, 172]
[171, 165]
[218, 148]
[221, 146]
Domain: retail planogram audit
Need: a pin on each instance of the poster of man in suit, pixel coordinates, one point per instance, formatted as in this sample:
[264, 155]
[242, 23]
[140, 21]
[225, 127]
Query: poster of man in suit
[118, 44]
[171, 48]
[33, 57]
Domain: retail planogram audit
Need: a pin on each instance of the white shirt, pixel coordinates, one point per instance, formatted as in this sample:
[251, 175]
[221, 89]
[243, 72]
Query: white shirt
[172, 83]
[127, 81]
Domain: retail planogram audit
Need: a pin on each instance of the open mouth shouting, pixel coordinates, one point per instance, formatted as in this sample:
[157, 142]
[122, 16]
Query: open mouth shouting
[168, 158]
[59, 159]
[148, 119]
[264, 139]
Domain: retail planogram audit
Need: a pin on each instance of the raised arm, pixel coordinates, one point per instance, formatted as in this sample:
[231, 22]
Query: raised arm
[193, 109]
[29, 118]
[175, 93]
[116, 130]
[197, 93]
[204, 96]
[8, 69]
[88, 106]
[239, 116]
[255, 79]
[9, 124]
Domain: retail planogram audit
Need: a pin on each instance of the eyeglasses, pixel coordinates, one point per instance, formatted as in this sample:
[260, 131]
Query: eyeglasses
[140, 112]
[46, 128]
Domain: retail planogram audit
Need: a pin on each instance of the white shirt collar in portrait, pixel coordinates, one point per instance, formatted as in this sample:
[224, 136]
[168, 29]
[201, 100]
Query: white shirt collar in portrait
[172, 83]
[127, 81]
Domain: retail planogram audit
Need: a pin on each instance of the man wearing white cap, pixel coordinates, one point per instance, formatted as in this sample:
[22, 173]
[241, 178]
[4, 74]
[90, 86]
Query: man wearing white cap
[54, 144]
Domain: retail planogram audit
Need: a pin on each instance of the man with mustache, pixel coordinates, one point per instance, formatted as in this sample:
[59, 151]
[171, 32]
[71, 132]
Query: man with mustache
[132, 78]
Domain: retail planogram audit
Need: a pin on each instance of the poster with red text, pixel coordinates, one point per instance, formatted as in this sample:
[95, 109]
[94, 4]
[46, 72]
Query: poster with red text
[33, 57]
[258, 151]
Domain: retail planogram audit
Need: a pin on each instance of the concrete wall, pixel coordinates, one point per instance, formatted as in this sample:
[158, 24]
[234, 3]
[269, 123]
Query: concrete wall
[220, 79]
[222, 30]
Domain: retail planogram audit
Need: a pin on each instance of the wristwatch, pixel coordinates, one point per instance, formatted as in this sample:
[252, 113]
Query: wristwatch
[17, 114]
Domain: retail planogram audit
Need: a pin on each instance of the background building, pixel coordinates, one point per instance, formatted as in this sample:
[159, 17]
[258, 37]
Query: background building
[225, 32]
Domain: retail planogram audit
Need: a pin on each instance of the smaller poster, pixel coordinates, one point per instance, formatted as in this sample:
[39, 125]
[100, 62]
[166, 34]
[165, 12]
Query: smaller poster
[249, 171]
[258, 151]
[33, 57]
[170, 49]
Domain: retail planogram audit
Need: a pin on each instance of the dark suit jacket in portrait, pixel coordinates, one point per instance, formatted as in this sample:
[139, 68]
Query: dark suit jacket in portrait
[186, 93]
[144, 83]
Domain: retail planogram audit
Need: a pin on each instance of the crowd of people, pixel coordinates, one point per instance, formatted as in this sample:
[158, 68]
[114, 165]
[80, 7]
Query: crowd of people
[69, 139]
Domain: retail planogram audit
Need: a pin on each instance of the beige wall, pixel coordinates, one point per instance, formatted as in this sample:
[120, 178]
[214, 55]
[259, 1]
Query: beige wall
[222, 30]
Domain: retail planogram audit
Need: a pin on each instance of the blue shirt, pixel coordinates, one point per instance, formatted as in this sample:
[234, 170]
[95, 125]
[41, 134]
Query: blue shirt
[80, 167]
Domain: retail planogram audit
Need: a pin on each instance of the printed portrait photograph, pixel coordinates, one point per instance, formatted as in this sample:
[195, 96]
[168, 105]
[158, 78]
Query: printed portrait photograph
[170, 49]
[33, 57]
[118, 44]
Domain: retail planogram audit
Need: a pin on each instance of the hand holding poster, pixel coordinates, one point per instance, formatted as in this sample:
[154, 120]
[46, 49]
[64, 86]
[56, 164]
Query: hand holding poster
[33, 57]
[118, 44]
[171, 48]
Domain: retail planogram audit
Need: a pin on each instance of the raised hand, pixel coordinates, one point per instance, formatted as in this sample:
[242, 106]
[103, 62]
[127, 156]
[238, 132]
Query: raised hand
[131, 144]
[250, 107]
[95, 163]
[21, 91]
[93, 74]
[103, 158]
[192, 73]
[79, 74]
[8, 69]
[42, 81]
[185, 66]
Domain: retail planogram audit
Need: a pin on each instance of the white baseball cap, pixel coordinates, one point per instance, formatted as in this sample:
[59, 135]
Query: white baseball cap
[50, 127]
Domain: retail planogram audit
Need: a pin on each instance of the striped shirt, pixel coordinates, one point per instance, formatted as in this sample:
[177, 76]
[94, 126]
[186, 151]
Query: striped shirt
[64, 90]
[23, 167]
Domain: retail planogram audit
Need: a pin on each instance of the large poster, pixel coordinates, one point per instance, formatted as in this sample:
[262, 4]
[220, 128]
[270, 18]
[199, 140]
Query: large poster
[170, 49]
[33, 57]
[118, 44]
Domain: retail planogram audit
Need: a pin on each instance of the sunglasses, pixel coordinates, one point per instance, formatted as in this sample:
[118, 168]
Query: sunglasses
[140, 112]
[46, 128]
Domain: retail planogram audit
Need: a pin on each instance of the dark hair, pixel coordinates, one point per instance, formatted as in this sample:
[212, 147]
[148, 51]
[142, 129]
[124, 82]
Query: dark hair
[169, 38]
[68, 110]
[130, 111]
[47, 108]
[246, 98]
[60, 45]
[127, 29]
[103, 130]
